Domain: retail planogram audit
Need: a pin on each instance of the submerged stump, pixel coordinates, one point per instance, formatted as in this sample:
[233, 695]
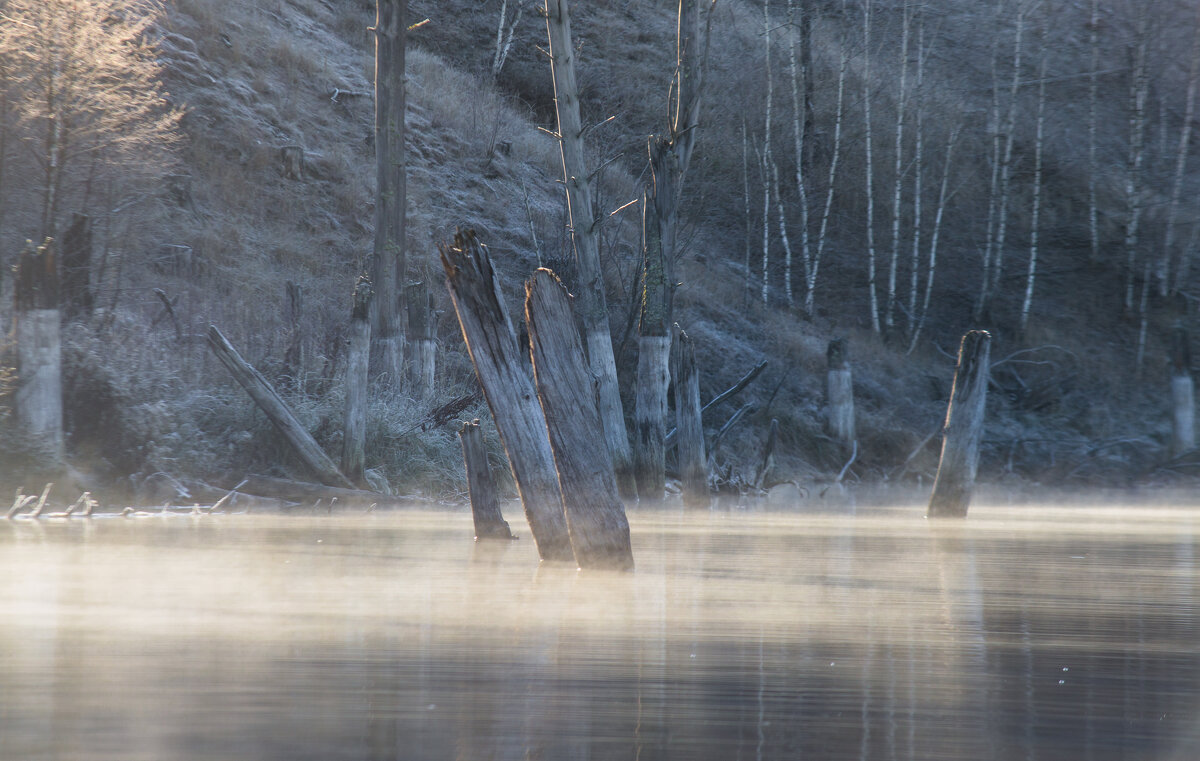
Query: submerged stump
[1183, 394]
[963, 429]
[485, 506]
[596, 519]
[508, 389]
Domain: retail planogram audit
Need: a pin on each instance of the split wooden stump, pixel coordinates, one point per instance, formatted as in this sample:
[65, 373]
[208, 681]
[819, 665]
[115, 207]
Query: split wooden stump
[492, 343]
[39, 406]
[354, 430]
[963, 430]
[596, 519]
[485, 506]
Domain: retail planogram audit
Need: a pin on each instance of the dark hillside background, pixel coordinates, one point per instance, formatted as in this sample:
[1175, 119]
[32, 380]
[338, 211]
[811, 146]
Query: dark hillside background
[1079, 394]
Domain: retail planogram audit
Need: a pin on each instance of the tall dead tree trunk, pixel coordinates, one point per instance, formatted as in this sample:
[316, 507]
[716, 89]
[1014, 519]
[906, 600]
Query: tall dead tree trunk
[422, 338]
[963, 431]
[276, 410]
[293, 356]
[1183, 394]
[503, 376]
[358, 360]
[39, 407]
[693, 463]
[670, 155]
[388, 260]
[595, 516]
[593, 308]
[485, 507]
[839, 394]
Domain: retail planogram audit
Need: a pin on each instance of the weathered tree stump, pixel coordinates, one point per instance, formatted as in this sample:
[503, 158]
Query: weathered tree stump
[963, 430]
[76, 260]
[357, 363]
[292, 157]
[595, 515]
[276, 410]
[485, 507]
[1183, 394]
[693, 464]
[422, 338]
[39, 405]
[492, 344]
[839, 394]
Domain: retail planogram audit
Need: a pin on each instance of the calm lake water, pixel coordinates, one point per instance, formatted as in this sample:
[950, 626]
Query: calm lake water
[1022, 633]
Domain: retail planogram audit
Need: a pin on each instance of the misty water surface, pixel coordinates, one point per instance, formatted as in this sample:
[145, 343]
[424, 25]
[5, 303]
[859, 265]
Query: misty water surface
[1022, 633]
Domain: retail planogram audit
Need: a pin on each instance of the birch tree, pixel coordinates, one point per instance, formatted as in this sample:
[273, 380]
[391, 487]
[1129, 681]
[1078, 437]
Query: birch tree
[1181, 157]
[1035, 214]
[90, 89]
[1138, 89]
[872, 292]
[593, 308]
[889, 313]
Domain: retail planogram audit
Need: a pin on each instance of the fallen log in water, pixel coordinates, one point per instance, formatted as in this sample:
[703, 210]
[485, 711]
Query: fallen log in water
[306, 493]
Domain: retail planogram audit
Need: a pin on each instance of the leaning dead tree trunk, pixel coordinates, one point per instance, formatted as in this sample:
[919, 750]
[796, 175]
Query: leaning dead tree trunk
[963, 430]
[355, 428]
[39, 406]
[593, 310]
[839, 394]
[492, 344]
[485, 507]
[422, 338]
[595, 516]
[388, 260]
[693, 464]
[1183, 394]
[276, 410]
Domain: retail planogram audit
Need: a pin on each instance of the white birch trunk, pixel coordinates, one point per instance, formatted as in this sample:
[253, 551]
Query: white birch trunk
[810, 285]
[889, 313]
[918, 181]
[985, 280]
[1035, 214]
[1138, 88]
[1093, 96]
[870, 179]
[766, 156]
[798, 136]
[931, 270]
[1185, 138]
[1010, 128]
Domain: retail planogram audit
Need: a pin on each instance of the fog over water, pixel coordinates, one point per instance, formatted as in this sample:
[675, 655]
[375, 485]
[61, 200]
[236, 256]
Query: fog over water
[1024, 632]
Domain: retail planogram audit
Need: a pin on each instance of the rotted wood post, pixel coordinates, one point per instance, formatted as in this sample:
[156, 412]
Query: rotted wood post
[963, 430]
[492, 343]
[839, 394]
[693, 464]
[354, 433]
[1183, 393]
[422, 334]
[276, 410]
[39, 406]
[595, 515]
[654, 357]
[485, 507]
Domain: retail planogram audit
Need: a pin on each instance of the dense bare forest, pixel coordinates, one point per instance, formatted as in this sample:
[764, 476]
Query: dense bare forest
[883, 172]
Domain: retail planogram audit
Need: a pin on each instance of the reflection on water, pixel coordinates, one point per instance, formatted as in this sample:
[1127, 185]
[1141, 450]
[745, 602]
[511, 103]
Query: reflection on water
[1023, 633]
